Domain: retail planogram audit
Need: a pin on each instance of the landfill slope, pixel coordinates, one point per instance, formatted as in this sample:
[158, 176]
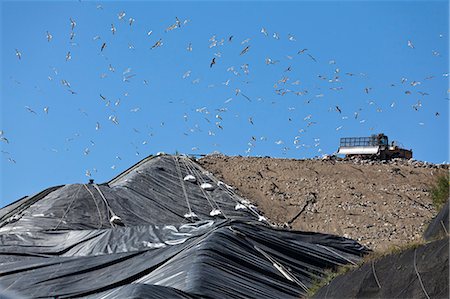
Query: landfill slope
[418, 272]
[380, 204]
[164, 228]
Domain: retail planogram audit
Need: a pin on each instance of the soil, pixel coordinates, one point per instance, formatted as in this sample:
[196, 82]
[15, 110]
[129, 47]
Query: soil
[380, 204]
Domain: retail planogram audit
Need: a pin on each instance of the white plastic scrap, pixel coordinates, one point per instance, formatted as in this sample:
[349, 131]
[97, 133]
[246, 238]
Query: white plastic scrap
[191, 215]
[190, 178]
[207, 186]
[116, 220]
[240, 206]
[262, 218]
[220, 184]
[215, 212]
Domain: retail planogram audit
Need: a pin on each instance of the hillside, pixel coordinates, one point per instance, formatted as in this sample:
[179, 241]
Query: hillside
[379, 204]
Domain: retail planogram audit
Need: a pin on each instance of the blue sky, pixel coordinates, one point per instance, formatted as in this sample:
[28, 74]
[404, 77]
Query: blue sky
[57, 114]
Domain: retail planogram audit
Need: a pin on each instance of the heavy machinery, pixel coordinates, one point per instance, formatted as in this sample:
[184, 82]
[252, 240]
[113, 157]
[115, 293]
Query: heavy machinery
[374, 147]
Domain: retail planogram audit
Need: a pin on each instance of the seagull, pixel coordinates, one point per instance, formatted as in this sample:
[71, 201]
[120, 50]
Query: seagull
[72, 23]
[264, 31]
[130, 21]
[121, 15]
[275, 35]
[72, 35]
[68, 56]
[103, 47]
[157, 44]
[46, 110]
[410, 44]
[18, 54]
[213, 62]
[189, 47]
[113, 29]
[245, 50]
[310, 56]
[4, 139]
[49, 36]
[97, 126]
[114, 119]
[338, 109]
[302, 51]
[30, 110]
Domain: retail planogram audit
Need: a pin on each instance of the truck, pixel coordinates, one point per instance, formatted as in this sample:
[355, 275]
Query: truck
[376, 147]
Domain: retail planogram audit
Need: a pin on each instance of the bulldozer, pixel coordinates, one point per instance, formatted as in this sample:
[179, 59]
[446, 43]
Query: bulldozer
[375, 147]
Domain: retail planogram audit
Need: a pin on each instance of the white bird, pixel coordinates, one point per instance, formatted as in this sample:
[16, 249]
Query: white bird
[68, 56]
[97, 126]
[49, 36]
[113, 29]
[46, 110]
[410, 44]
[72, 23]
[264, 31]
[114, 119]
[189, 47]
[18, 54]
[121, 15]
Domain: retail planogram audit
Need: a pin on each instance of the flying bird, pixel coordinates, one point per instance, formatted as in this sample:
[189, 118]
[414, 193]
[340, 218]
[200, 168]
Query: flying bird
[113, 29]
[18, 54]
[72, 23]
[410, 44]
[68, 56]
[103, 47]
[30, 110]
[49, 36]
[213, 62]
[157, 44]
[245, 50]
[310, 56]
[264, 31]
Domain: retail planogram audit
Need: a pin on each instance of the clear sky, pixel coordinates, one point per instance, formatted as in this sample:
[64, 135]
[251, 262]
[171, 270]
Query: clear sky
[314, 71]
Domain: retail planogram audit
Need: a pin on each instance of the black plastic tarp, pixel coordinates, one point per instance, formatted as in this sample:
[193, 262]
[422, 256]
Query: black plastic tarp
[153, 232]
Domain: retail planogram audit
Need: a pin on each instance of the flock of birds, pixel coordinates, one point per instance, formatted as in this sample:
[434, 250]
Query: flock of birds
[214, 117]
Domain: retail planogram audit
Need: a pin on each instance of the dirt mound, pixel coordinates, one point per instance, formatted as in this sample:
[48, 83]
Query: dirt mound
[380, 204]
[420, 272]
